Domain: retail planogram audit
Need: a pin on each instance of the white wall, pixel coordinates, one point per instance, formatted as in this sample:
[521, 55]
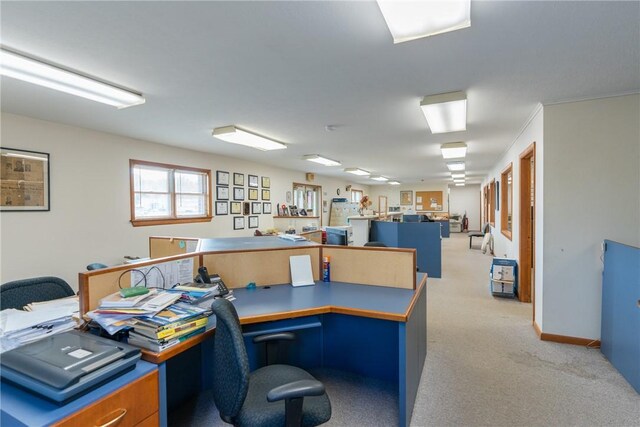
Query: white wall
[466, 199]
[592, 193]
[503, 247]
[90, 212]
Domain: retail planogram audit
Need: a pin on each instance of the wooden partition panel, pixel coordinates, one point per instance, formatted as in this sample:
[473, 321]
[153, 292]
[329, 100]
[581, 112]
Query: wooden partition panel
[392, 267]
[264, 267]
[97, 284]
[314, 236]
[160, 246]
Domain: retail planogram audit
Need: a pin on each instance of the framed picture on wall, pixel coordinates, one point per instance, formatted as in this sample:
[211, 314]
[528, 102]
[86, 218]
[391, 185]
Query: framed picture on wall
[24, 179]
[238, 223]
[266, 182]
[266, 194]
[406, 197]
[253, 181]
[236, 208]
[222, 208]
[266, 208]
[238, 179]
[253, 194]
[238, 193]
[222, 193]
[253, 222]
[246, 208]
[222, 178]
[256, 207]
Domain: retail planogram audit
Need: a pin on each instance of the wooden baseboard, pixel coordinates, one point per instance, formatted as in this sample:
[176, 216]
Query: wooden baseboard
[537, 329]
[585, 342]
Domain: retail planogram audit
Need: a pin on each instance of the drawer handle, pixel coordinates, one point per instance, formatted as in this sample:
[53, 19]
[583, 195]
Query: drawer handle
[116, 420]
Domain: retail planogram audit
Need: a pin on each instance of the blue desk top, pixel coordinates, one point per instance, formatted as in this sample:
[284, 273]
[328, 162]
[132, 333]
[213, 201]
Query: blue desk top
[249, 243]
[33, 411]
[266, 303]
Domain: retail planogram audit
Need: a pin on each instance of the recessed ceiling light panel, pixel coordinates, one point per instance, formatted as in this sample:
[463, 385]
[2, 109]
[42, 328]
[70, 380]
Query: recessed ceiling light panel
[40, 73]
[457, 175]
[239, 136]
[410, 20]
[453, 150]
[380, 178]
[316, 158]
[357, 171]
[455, 166]
[393, 183]
[446, 112]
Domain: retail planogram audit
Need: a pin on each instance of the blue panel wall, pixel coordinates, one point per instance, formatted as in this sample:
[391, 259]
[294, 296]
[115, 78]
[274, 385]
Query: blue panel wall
[385, 232]
[620, 327]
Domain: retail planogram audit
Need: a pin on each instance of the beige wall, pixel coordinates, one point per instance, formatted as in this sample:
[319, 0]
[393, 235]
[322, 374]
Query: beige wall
[90, 210]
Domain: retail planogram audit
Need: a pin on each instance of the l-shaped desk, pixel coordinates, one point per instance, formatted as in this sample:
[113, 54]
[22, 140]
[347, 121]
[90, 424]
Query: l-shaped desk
[369, 328]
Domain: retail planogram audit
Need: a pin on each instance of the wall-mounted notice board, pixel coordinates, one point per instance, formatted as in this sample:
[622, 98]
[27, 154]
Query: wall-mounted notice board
[429, 200]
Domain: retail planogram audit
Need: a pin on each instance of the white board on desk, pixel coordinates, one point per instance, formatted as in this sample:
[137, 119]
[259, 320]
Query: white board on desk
[301, 272]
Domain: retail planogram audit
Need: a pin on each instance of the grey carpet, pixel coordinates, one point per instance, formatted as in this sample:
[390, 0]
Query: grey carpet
[487, 367]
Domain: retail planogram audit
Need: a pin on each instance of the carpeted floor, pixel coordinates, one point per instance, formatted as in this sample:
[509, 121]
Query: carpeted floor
[485, 367]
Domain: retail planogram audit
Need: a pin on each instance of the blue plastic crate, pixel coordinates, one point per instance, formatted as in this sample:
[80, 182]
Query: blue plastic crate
[504, 285]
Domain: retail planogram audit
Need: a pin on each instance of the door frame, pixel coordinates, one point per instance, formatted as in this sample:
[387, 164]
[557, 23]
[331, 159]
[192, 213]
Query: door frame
[526, 281]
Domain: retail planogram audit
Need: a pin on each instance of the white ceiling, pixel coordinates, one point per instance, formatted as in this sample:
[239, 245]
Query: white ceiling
[288, 69]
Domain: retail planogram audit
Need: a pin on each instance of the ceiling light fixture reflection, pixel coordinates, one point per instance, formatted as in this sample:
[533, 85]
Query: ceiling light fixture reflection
[446, 112]
[453, 150]
[357, 171]
[455, 166]
[40, 73]
[410, 20]
[322, 160]
[239, 136]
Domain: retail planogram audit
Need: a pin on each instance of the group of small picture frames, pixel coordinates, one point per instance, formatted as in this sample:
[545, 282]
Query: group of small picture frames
[237, 206]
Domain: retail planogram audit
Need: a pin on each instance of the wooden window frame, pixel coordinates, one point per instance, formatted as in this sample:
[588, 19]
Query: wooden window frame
[173, 219]
[361, 192]
[485, 200]
[506, 202]
[492, 203]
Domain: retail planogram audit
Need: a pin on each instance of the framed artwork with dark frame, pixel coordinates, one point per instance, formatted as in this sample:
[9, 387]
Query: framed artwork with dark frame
[238, 223]
[256, 207]
[253, 181]
[222, 178]
[238, 179]
[222, 208]
[236, 208]
[24, 180]
[266, 208]
[406, 197]
[222, 193]
[238, 193]
[266, 182]
[253, 222]
[253, 194]
[266, 194]
[246, 208]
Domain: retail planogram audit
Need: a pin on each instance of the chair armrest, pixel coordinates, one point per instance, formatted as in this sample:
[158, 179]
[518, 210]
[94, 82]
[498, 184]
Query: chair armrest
[288, 336]
[296, 389]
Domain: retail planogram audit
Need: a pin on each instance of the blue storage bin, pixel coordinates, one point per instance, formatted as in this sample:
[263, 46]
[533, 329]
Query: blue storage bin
[503, 278]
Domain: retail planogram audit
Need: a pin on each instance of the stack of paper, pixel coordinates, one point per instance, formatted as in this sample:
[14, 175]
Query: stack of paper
[19, 327]
[293, 237]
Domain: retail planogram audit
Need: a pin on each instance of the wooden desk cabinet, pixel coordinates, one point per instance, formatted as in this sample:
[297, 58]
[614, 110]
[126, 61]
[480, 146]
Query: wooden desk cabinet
[133, 405]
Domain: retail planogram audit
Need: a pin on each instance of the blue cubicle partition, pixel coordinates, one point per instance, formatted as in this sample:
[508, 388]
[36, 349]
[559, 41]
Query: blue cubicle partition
[444, 231]
[422, 236]
[620, 325]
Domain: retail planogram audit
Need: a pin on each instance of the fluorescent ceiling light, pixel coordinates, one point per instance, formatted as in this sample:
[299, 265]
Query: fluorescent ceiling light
[42, 74]
[410, 20]
[379, 178]
[357, 171]
[446, 112]
[453, 150]
[322, 160]
[455, 166]
[459, 184]
[457, 175]
[393, 183]
[236, 135]
[458, 180]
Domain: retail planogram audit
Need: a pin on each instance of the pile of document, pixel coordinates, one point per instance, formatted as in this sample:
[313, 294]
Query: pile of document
[38, 320]
[168, 327]
[292, 237]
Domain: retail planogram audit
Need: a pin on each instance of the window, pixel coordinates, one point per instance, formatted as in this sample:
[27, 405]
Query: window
[307, 197]
[168, 194]
[492, 202]
[506, 200]
[356, 196]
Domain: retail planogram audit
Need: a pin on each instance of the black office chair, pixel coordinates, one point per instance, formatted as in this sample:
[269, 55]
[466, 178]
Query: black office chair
[19, 293]
[96, 266]
[376, 244]
[276, 395]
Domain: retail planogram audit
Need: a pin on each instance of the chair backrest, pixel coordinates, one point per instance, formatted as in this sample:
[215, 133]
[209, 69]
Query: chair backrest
[96, 266]
[230, 361]
[19, 293]
[378, 244]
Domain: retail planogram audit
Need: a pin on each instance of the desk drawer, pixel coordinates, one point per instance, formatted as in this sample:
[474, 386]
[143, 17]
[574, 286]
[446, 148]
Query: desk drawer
[131, 404]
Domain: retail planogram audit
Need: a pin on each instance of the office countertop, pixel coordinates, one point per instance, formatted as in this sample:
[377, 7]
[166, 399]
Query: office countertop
[236, 244]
